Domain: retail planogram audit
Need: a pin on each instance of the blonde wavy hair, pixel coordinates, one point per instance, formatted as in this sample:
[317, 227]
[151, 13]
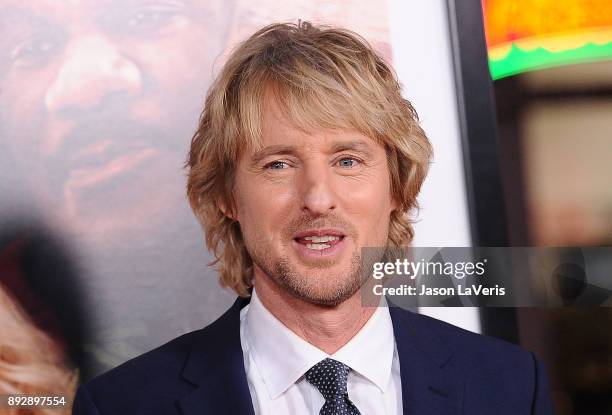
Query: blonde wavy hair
[322, 78]
[30, 362]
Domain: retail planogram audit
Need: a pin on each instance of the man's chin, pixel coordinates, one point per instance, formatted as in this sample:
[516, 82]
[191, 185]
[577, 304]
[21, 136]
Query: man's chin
[328, 291]
[125, 210]
[100, 227]
[329, 299]
[104, 229]
[325, 300]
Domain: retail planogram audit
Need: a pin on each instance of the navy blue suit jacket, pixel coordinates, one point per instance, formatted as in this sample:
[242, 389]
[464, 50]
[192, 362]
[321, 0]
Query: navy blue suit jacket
[444, 370]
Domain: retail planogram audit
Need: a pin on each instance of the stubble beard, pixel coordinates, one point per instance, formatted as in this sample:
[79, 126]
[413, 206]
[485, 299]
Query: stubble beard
[325, 289]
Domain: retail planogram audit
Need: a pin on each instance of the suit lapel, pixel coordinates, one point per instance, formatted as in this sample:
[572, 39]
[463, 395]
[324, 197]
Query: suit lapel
[429, 385]
[216, 367]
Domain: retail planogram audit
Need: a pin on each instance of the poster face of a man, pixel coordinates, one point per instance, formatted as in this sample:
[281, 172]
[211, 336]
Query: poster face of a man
[97, 99]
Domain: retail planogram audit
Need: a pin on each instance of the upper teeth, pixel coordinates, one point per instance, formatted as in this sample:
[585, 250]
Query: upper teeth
[320, 239]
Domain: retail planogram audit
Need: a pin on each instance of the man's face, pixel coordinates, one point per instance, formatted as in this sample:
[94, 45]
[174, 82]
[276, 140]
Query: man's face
[99, 98]
[308, 203]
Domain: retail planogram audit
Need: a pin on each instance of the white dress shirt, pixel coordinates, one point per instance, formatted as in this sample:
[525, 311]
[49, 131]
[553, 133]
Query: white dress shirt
[276, 359]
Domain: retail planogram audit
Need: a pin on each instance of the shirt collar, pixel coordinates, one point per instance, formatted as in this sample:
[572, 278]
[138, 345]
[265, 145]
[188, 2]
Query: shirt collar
[370, 351]
[282, 357]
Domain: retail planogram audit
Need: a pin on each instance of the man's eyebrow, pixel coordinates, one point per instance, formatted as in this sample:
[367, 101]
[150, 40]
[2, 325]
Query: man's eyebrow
[272, 150]
[358, 145]
[20, 18]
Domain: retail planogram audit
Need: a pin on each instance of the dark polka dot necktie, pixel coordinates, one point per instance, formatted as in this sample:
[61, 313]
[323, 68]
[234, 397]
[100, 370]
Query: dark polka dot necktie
[330, 376]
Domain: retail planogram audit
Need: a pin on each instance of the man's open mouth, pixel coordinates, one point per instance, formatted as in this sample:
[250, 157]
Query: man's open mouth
[319, 242]
[104, 160]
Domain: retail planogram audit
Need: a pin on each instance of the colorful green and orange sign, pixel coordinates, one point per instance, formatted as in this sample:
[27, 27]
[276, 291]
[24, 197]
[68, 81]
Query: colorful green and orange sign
[524, 35]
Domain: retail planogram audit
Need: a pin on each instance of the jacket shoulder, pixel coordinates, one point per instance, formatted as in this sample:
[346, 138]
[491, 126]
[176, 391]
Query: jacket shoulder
[154, 381]
[140, 382]
[494, 370]
[473, 349]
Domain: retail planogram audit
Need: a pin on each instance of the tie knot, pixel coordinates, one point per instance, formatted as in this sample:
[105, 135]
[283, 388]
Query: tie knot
[329, 376]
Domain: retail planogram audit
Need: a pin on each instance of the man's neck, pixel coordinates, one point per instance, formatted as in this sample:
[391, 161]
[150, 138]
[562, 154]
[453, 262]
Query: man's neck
[327, 328]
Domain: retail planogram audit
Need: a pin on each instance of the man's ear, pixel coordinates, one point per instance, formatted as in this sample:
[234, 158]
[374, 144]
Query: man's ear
[227, 211]
[394, 203]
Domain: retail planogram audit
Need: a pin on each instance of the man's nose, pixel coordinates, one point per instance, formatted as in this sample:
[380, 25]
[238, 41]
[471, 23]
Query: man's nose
[318, 192]
[92, 70]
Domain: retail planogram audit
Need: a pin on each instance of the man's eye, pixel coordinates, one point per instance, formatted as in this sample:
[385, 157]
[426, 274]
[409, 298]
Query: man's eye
[148, 19]
[348, 162]
[35, 51]
[276, 165]
[151, 17]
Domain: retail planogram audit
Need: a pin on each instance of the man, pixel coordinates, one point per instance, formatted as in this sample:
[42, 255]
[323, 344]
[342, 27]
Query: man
[102, 110]
[90, 112]
[95, 98]
[305, 153]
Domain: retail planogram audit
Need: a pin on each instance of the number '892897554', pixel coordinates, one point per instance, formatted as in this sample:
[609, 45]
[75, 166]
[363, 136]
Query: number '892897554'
[33, 401]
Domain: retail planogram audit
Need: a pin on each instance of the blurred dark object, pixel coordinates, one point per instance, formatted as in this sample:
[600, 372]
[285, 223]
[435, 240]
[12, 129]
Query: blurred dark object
[37, 271]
